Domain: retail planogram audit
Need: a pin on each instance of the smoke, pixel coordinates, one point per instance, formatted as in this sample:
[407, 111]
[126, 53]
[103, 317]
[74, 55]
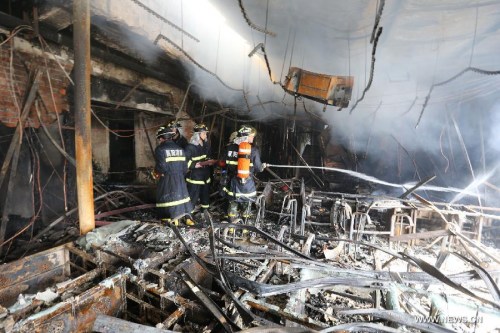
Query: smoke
[423, 43]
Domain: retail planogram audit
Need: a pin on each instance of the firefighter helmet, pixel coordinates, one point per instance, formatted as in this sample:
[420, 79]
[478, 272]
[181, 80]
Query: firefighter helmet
[233, 136]
[246, 131]
[165, 132]
[174, 124]
[200, 128]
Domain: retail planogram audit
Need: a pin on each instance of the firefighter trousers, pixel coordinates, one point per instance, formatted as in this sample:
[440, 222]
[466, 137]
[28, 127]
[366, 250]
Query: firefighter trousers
[243, 209]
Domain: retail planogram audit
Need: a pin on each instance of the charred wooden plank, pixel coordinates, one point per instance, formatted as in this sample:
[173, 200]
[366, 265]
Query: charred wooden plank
[275, 310]
[77, 314]
[209, 304]
[173, 318]
[108, 324]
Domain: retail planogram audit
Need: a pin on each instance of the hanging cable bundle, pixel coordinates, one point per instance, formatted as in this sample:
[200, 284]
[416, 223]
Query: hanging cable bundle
[376, 32]
[253, 26]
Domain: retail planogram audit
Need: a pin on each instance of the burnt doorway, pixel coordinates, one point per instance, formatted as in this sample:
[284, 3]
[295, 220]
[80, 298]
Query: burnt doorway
[121, 147]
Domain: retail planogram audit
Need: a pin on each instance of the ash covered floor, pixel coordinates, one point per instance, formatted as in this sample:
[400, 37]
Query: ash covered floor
[308, 261]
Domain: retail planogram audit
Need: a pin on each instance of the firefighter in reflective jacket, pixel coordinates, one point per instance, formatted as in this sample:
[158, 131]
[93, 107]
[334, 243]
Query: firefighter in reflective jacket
[199, 162]
[242, 160]
[172, 197]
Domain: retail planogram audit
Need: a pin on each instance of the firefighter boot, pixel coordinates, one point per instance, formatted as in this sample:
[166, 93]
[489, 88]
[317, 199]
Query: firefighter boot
[232, 211]
[170, 221]
[247, 214]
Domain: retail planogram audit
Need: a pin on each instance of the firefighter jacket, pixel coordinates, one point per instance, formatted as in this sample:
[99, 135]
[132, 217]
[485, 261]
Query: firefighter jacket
[172, 198]
[195, 154]
[181, 141]
[237, 189]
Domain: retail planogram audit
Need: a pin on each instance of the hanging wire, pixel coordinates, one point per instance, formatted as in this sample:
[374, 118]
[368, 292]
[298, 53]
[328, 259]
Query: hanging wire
[376, 32]
[268, 65]
[442, 83]
[182, 23]
[160, 36]
[246, 102]
[286, 52]
[349, 54]
[56, 111]
[441, 148]
[267, 16]
[414, 162]
[114, 132]
[311, 113]
[263, 46]
[293, 48]
[474, 38]
[217, 53]
[372, 121]
[15, 31]
[380, 6]
[47, 157]
[161, 18]
[253, 26]
[450, 143]
[466, 155]
[11, 80]
[411, 107]
[57, 60]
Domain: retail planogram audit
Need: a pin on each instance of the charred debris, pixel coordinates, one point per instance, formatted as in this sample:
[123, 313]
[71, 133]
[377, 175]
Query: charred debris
[323, 252]
[309, 261]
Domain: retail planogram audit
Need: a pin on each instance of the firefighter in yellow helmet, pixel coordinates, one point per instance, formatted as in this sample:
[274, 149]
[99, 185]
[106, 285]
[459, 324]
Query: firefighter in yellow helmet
[172, 197]
[199, 164]
[242, 161]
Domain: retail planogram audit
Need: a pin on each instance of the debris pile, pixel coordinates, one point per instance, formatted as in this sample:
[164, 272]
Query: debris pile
[309, 261]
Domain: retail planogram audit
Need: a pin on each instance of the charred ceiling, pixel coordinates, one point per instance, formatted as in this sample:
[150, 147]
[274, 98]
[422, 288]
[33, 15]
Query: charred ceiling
[108, 42]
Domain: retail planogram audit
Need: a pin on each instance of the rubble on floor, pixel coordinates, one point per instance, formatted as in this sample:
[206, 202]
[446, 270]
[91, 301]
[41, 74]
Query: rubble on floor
[309, 261]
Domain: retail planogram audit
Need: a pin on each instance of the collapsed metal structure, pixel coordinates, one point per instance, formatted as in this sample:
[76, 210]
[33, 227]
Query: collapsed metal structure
[309, 261]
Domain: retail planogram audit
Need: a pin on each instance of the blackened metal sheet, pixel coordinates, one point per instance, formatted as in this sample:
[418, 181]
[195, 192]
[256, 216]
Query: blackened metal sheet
[33, 273]
[78, 313]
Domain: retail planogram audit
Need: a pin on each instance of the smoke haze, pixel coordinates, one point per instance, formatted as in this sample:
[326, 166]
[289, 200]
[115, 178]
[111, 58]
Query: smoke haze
[423, 43]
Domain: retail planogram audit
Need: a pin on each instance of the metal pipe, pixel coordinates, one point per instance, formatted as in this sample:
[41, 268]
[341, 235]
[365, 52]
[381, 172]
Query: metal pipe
[83, 139]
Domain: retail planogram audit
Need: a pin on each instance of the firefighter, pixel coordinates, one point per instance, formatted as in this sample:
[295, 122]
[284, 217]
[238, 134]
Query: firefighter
[224, 178]
[199, 165]
[178, 138]
[172, 197]
[242, 160]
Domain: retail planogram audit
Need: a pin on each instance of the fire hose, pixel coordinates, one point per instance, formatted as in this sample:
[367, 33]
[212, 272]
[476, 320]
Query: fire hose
[376, 180]
[277, 177]
[349, 172]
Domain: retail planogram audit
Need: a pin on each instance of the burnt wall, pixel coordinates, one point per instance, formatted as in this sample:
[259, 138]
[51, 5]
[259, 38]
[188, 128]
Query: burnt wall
[15, 67]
